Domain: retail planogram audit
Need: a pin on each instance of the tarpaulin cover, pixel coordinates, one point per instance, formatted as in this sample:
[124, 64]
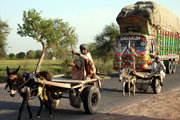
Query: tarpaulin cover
[153, 12]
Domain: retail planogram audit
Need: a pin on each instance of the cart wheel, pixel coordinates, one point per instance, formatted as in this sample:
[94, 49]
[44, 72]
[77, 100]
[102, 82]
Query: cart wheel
[156, 86]
[91, 99]
[138, 86]
[173, 66]
[144, 90]
[169, 67]
[55, 103]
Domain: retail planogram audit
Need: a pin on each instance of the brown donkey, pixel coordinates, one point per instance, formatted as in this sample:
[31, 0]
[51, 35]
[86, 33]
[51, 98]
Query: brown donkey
[22, 84]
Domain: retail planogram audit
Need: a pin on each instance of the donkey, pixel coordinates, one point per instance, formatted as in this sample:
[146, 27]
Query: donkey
[16, 82]
[124, 75]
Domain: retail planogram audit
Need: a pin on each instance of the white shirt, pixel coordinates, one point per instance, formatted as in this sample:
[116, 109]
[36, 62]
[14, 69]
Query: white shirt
[158, 68]
[82, 57]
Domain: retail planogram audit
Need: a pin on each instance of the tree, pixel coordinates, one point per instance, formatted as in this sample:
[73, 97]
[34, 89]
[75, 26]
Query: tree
[38, 54]
[104, 41]
[20, 55]
[12, 56]
[4, 31]
[30, 54]
[92, 49]
[51, 33]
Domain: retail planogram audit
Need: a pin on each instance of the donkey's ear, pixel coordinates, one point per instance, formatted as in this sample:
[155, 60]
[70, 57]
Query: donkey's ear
[7, 69]
[17, 69]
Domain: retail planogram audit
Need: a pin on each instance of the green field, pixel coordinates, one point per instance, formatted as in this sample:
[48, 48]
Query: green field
[54, 67]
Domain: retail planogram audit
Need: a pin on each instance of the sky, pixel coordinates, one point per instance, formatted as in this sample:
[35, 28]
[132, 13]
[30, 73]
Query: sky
[88, 17]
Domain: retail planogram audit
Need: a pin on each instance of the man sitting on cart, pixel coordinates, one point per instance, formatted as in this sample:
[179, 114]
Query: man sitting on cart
[159, 68]
[83, 68]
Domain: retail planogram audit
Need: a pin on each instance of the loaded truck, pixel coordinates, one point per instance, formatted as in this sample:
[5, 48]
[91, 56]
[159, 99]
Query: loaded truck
[146, 30]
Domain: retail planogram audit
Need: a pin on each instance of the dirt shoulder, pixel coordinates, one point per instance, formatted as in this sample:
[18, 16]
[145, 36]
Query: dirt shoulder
[158, 107]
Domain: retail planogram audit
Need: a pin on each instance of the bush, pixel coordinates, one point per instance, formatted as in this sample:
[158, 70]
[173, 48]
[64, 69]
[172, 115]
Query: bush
[104, 68]
[30, 54]
[12, 56]
[20, 55]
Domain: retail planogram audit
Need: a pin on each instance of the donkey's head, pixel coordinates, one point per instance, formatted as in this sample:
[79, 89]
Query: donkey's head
[124, 72]
[12, 80]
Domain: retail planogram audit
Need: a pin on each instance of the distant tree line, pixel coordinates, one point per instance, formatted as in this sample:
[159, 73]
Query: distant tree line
[31, 54]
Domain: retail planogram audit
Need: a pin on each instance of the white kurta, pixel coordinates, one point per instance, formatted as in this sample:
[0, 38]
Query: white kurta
[81, 61]
[158, 67]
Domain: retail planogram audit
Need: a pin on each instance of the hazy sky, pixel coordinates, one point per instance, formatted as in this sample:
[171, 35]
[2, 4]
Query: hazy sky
[87, 16]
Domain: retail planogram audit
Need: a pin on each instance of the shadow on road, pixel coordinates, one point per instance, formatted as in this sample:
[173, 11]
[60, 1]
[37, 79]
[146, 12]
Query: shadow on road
[109, 90]
[113, 75]
[9, 111]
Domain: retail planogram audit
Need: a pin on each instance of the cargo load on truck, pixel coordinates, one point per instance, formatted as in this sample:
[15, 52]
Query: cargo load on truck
[153, 12]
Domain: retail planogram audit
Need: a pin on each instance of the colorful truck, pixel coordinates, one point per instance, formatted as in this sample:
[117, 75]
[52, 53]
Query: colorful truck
[146, 30]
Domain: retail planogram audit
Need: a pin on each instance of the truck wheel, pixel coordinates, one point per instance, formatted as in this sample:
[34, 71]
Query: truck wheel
[156, 86]
[91, 99]
[173, 66]
[55, 103]
[169, 67]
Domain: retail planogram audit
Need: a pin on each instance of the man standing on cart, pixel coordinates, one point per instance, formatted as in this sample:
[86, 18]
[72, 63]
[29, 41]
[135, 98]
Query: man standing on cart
[159, 68]
[83, 68]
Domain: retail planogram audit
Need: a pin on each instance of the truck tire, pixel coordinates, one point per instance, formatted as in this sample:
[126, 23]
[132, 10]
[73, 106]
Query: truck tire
[91, 99]
[156, 86]
[169, 67]
[173, 66]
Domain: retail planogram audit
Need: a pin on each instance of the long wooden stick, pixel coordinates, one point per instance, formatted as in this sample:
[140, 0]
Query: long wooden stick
[63, 85]
[75, 81]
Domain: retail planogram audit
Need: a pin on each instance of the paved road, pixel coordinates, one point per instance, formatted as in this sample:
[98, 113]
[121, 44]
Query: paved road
[111, 94]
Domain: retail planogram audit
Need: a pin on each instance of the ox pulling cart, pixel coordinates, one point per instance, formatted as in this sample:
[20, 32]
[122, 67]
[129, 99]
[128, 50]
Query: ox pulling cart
[85, 91]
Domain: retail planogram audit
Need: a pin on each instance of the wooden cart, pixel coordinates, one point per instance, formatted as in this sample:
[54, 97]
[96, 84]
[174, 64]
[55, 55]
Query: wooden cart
[86, 91]
[144, 80]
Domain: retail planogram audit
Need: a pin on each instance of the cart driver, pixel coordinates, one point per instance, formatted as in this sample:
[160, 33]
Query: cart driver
[83, 68]
[158, 67]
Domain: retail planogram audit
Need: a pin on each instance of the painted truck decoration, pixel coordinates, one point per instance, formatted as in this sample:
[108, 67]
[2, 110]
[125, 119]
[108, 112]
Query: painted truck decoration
[140, 40]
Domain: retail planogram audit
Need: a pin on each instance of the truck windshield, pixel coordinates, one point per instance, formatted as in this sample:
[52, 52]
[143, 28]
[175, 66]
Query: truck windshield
[139, 45]
[123, 44]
